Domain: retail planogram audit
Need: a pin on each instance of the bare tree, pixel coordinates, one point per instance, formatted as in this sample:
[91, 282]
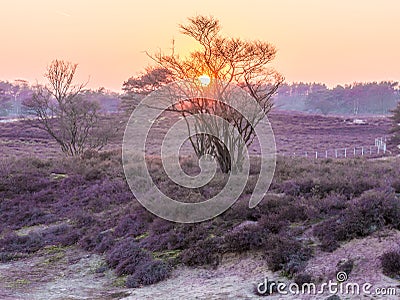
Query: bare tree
[63, 111]
[228, 61]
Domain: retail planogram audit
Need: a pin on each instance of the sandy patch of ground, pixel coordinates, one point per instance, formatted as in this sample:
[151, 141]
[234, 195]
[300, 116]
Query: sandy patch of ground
[69, 273]
[57, 273]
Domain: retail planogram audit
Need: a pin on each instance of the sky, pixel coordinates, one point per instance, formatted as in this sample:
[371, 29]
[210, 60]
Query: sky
[334, 42]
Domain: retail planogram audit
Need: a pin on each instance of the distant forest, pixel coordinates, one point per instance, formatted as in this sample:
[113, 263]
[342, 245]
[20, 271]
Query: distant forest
[13, 95]
[352, 99]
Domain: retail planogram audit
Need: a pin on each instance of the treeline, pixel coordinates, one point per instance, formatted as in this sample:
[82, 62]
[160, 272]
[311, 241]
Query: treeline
[357, 98]
[14, 94]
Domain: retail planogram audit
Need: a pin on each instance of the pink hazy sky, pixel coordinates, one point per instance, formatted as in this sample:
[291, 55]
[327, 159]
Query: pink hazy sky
[330, 41]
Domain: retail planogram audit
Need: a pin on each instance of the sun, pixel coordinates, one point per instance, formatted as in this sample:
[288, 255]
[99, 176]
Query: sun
[204, 80]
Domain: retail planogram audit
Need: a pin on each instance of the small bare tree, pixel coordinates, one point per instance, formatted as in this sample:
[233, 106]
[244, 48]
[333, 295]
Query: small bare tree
[226, 61]
[63, 111]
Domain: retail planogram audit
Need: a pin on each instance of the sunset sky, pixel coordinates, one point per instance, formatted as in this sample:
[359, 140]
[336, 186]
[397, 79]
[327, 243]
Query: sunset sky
[330, 41]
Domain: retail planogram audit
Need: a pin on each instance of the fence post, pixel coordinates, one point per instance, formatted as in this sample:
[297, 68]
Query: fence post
[316, 154]
[336, 153]
[345, 152]
[306, 154]
[354, 151]
[362, 151]
[326, 153]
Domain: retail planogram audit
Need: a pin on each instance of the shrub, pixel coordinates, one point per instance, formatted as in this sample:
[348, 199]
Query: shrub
[63, 234]
[273, 223]
[204, 252]
[286, 254]
[126, 256]
[330, 205]
[396, 185]
[160, 226]
[302, 278]
[25, 243]
[133, 224]
[149, 273]
[105, 241]
[290, 187]
[390, 262]
[345, 266]
[247, 237]
[365, 215]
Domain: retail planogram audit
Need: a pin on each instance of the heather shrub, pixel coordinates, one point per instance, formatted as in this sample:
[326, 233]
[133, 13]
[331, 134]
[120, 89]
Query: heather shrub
[134, 224]
[240, 211]
[19, 212]
[160, 226]
[247, 237]
[295, 212]
[88, 242]
[164, 241]
[6, 257]
[24, 182]
[149, 273]
[390, 262]
[272, 204]
[105, 241]
[84, 220]
[63, 234]
[273, 223]
[77, 196]
[295, 176]
[302, 278]
[180, 236]
[345, 265]
[365, 215]
[204, 252]
[396, 186]
[186, 235]
[35, 216]
[125, 256]
[330, 205]
[286, 254]
[289, 187]
[25, 243]
[97, 235]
